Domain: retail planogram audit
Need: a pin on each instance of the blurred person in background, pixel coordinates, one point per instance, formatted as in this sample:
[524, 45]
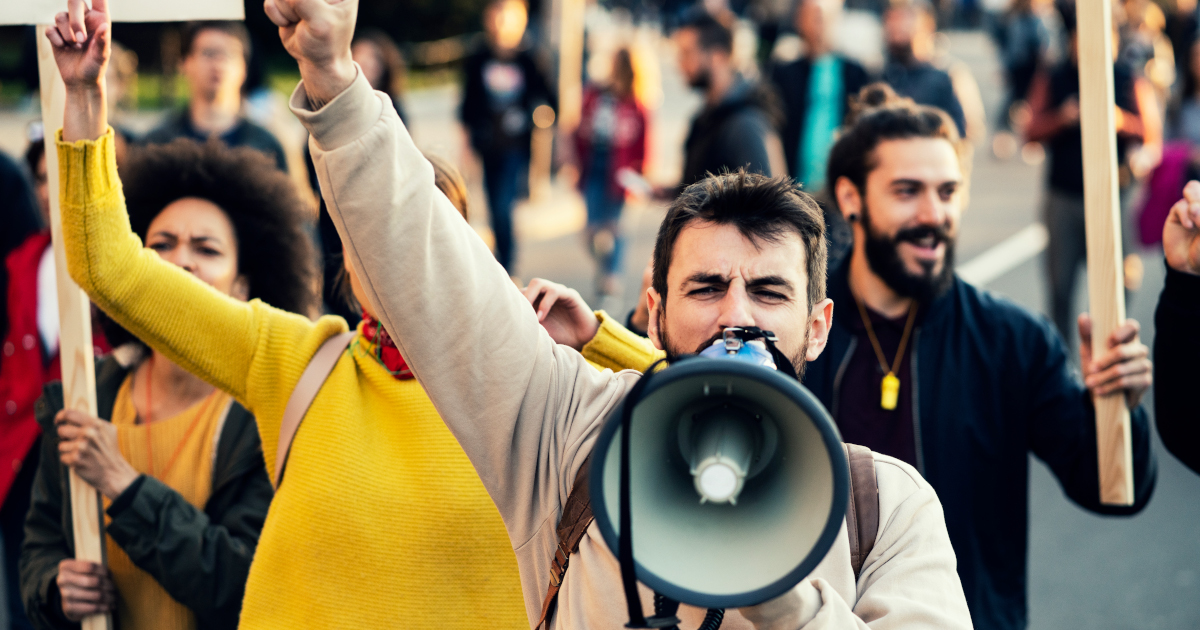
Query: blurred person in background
[215, 58]
[19, 215]
[29, 355]
[816, 91]
[383, 64]
[735, 127]
[1023, 40]
[502, 87]
[906, 72]
[610, 146]
[122, 93]
[1182, 27]
[1177, 332]
[179, 463]
[1183, 122]
[1054, 102]
[383, 520]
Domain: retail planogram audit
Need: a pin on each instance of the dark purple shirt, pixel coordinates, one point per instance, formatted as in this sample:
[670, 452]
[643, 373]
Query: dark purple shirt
[859, 415]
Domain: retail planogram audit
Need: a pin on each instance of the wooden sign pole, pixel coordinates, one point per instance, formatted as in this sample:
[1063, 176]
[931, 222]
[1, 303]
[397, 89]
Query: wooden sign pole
[1106, 283]
[74, 309]
[75, 329]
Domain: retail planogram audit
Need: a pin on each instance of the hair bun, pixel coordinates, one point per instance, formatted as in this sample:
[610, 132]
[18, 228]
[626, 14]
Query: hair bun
[875, 96]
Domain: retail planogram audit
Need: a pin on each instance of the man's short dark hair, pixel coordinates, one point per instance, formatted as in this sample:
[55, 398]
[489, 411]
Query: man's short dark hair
[878, 115]
[762, 208]
[712, 34]
[275, 252]
[192, 30]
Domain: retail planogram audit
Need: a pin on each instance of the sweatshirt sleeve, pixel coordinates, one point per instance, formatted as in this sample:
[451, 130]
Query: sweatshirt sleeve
[251, 350]
[908, 581]
[525, 410]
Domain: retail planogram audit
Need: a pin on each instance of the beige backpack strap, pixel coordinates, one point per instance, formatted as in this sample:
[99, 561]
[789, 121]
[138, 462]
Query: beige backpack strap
[303, 394]
[862, 511]
[576, 517]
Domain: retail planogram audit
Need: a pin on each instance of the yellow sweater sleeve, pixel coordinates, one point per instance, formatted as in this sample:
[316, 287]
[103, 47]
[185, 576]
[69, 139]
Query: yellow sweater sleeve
[251, 350]
[617, 348]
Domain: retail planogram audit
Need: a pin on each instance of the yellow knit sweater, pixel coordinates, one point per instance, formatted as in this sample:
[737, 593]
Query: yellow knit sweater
[617, 348]
[382, 521]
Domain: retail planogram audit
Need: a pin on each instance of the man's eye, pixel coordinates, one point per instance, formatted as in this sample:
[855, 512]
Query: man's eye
[947, 192]
[772, 296]
[208, 251]
[703, 291]
[160, 247]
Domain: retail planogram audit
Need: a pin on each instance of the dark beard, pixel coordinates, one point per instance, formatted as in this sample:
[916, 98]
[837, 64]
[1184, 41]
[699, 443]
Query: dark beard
[799, 363]
[702, 80]
[900, 53]
[884, 260]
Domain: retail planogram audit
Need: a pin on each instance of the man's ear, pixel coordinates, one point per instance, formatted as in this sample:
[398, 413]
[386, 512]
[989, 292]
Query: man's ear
[820, 321]
[653, 303]
[848, 199]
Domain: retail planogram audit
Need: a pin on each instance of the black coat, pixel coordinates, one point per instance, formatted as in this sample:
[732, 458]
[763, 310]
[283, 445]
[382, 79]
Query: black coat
[992, 384]
[791, 81]
[732, 134]
[483, 120]
[201, 558]
[1176, 350]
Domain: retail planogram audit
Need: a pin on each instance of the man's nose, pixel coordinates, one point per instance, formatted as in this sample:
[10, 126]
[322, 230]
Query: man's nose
[735, 309]
[931, 210]
[180, 257]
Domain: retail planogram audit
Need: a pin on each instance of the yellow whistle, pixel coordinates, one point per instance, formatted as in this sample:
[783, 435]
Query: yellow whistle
[890, 390]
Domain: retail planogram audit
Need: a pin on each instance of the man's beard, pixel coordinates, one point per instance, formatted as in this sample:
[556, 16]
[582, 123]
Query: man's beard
[674, 353]
[883, 256]
[900, 53]
[701, 80]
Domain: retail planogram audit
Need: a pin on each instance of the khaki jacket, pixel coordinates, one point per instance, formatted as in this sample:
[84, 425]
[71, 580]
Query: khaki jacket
[527, 411]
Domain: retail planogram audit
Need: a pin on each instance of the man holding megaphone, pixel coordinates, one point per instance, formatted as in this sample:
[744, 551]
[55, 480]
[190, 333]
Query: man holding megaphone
[738, 251]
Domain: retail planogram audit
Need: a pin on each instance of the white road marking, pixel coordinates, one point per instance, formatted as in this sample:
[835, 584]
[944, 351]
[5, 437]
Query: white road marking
[1006, 255]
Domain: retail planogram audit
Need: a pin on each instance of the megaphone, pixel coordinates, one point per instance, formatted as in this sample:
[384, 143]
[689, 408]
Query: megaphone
[736, 481]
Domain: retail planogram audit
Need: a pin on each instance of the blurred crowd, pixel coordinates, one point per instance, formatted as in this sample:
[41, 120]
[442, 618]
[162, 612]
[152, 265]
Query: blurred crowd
[186, 483]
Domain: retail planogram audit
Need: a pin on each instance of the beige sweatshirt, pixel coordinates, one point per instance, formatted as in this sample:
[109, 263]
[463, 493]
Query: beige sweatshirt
[527, 411]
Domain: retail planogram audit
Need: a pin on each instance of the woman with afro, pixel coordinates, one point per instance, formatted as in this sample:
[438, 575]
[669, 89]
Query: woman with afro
[179, 462]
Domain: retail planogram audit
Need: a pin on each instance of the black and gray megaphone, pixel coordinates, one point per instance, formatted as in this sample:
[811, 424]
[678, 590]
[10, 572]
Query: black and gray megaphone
[720, 482]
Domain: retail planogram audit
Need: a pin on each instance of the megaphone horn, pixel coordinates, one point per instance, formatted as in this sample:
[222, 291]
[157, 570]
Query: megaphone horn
[735, 481]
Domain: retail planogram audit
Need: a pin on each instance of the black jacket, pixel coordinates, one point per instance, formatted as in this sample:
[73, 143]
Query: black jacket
[993, 383]
[926, 85]
[243, 134]
[791, 81]
[732, 134]
[1176, 372]
[484, 119]
[201, 558]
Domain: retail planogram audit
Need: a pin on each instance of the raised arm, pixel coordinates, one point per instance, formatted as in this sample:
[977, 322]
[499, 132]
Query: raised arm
[510, 395]
[222, 340]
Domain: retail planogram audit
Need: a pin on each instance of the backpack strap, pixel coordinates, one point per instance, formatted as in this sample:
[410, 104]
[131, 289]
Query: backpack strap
[862, 511]
[319, 368]
[576, 517]
[862, 520]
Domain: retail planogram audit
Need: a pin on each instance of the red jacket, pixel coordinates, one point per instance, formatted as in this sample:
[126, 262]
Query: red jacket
[628, 138]
[24, 367]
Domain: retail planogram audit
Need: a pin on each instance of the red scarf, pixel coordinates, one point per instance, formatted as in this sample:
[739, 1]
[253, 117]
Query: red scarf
[385, 350]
